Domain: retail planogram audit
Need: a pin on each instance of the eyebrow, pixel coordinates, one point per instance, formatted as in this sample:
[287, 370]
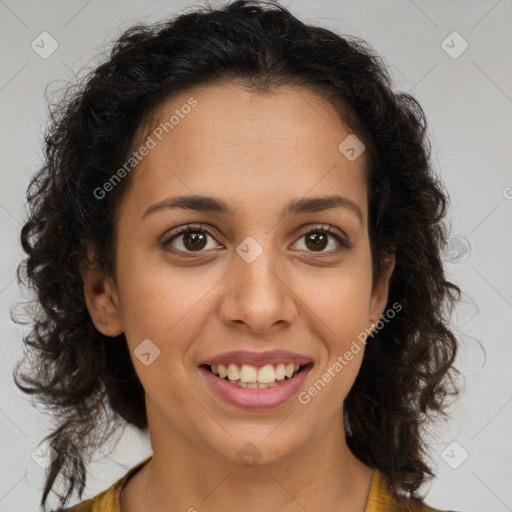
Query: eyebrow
[216, 205]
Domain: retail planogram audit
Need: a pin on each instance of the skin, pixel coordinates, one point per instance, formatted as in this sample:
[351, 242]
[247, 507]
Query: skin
[257, 152]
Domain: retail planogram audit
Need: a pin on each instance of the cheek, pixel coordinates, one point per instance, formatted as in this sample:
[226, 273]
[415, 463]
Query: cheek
[337, 307]
[340, 316]
[338, 300]
[167, 306]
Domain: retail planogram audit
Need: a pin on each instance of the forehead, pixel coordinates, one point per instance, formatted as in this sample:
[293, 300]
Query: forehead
[227, 140]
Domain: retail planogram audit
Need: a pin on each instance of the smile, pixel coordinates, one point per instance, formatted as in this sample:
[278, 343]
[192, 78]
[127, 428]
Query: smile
[253, 377]
[253, 387]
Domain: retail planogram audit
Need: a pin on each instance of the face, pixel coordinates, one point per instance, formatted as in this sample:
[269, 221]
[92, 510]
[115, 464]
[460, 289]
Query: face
[255, 275]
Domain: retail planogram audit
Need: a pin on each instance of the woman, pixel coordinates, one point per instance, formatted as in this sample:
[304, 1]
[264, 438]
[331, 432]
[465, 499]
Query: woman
[235, 241]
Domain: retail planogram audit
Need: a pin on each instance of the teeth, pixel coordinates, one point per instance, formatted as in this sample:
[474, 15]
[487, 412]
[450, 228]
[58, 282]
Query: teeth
[253, 376]
[289, 369]
[233, 372]
[266, 374]
[280, 371]
[249, 374]
[253, 385]
[223, 371]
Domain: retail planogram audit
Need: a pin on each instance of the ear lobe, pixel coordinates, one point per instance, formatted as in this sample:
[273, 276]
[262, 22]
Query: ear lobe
[101, 299]
[379, 297]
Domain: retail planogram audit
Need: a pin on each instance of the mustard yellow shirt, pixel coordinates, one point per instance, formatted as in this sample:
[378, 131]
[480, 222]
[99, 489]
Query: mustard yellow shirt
[380, 498]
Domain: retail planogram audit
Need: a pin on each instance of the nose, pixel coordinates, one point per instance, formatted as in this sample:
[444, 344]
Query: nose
[258, 295]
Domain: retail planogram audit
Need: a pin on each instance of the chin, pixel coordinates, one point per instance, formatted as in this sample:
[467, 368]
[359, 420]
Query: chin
[251, 444]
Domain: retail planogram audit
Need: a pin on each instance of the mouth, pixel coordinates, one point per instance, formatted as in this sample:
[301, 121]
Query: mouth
[256, 380]
[256, 377]
[255, 388]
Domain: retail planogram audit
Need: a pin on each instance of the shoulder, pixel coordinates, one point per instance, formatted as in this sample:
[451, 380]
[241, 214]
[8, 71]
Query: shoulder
[107, 500]
[381, 497]
[90, 505]
[103, 502]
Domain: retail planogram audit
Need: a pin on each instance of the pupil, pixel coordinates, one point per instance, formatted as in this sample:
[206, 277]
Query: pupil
[196, 240]
[317, 241]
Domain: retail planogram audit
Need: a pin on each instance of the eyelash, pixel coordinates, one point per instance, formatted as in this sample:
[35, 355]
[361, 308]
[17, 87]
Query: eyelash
[324, 228]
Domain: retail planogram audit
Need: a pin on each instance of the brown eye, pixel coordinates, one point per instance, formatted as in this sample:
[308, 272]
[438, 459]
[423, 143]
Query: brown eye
[194, 240]
[316, 241]
[187, 240]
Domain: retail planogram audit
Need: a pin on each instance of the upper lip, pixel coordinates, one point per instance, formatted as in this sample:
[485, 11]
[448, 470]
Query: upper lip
[258, 358]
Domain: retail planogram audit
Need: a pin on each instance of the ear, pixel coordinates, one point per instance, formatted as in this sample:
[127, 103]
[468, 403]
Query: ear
[101, 299]
[380, 290]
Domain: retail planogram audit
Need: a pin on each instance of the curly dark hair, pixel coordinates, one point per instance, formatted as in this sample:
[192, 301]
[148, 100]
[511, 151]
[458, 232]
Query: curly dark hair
[87, 379]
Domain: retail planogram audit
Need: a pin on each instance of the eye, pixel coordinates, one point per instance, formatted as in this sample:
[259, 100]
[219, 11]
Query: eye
[190, 238]
[317, 239]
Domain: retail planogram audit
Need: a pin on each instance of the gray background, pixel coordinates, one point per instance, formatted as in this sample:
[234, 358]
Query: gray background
[468, 101]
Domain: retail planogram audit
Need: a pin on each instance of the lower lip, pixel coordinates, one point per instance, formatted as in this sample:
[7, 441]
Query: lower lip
[255, 398]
